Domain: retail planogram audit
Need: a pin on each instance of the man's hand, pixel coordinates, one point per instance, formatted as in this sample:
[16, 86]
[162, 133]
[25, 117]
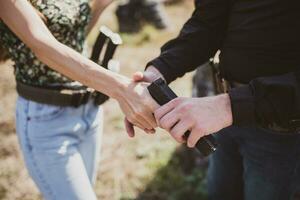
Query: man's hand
[201, 116]
[137, 104]
[150, 75]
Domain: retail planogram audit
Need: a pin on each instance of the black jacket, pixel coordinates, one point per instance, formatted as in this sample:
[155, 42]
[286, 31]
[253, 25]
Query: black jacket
[260, 46]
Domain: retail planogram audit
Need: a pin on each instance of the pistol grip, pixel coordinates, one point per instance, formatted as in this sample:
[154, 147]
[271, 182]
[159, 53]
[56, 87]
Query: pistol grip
[162, 94]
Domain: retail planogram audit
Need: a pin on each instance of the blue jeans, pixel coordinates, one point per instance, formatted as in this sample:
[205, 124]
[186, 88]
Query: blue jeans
[254, 164]
[61, 147]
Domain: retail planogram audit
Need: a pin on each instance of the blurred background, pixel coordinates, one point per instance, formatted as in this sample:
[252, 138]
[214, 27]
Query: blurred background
[147, 167]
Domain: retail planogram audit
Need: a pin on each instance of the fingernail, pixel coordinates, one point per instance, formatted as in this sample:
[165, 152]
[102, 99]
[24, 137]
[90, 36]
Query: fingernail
[152, 131]
[147, 131]
[189, 145]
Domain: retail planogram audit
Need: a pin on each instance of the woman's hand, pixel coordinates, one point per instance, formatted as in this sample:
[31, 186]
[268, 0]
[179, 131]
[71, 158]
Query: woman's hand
[138, 105]
[150, 75]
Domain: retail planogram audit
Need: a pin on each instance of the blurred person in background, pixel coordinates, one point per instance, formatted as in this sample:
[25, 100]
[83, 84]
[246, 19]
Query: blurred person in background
[133, 14]
[256, 116]
[59, 127]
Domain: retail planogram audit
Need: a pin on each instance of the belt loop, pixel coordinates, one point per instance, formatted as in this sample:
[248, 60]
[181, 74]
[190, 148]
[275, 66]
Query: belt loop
[77, 99]
[86, 97]
[225, 85]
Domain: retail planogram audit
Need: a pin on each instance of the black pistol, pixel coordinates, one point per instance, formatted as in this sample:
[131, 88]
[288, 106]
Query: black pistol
[162, 94]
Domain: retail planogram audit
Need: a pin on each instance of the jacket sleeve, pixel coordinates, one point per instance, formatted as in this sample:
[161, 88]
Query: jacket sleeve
[199, 39]
[268, 100]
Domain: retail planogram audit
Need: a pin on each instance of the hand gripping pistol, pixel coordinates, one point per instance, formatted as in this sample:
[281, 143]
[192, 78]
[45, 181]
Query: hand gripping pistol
[162, 94]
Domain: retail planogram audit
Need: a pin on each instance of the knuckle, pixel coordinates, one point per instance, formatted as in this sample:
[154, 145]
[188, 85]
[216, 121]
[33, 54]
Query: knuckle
[190, 144]
[186, 107]
[176, 135]
[173, 132]
[180, 98]
[157, 114]
[182, 108]
[199, 130]
[163, 123]
[189, 119]
[177, 100]
[172, 103]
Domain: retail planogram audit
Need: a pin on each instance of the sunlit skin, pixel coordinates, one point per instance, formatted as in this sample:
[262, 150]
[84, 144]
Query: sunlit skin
[201, 116]
[133, 97]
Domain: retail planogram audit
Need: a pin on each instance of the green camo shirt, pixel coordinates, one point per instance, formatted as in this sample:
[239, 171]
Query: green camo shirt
[67, 20]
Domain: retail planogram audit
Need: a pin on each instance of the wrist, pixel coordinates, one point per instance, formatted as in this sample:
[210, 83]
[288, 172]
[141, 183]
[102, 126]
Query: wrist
[155, 73]
[225, 103]
[120, 88]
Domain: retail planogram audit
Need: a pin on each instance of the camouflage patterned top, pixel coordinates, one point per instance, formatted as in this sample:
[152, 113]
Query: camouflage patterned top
[67, 20]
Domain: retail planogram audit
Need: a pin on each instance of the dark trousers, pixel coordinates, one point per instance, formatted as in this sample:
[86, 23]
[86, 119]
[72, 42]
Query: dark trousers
[254, 164]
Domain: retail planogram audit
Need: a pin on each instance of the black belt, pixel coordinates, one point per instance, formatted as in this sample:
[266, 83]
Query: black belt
[60, 97]
[224, 86]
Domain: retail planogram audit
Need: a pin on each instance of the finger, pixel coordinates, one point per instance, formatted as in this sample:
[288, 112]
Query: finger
[129, 128]
[151, 120]
[147, 131]
[147, 117]
[136, 123]
[163, 110]
[138, 76]
[194, 137]
[139, 121]
[169, 120]
[151, 131]
[145, 123]
[179, 129]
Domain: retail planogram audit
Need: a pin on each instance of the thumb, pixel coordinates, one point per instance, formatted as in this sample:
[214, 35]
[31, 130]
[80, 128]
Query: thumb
[138, 76]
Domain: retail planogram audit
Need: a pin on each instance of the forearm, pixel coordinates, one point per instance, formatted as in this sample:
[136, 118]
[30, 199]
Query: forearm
[199, 40]
[24, 21]
[133, 98]
[72, 64]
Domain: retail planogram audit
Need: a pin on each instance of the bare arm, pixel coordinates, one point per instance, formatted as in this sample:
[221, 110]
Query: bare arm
[22, 19]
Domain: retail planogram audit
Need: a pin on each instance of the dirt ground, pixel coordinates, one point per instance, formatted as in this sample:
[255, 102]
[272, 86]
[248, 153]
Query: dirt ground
[146, 167]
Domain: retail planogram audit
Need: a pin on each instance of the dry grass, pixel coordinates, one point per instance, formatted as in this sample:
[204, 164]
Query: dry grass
[141, 168]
